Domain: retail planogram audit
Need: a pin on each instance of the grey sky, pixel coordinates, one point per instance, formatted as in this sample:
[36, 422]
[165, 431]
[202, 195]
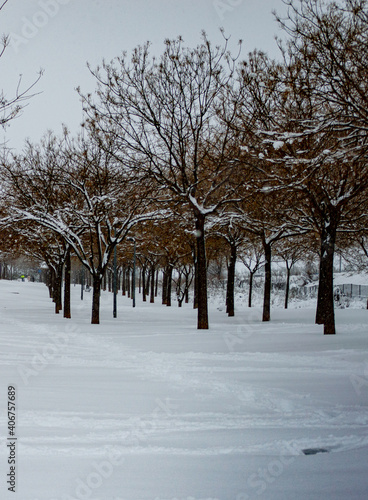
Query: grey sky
[61, 35]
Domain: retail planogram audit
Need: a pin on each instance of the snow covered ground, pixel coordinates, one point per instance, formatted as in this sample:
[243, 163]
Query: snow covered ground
[146, 407]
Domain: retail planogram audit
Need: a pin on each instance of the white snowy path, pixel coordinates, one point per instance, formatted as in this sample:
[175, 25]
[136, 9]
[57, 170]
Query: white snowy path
[146, 407]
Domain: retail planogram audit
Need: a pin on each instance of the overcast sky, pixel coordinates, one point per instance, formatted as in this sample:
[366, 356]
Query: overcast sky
[60, 36]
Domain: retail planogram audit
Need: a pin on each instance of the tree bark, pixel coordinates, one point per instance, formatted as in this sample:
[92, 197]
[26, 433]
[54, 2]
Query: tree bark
[169, 285]
[67, 311]
[287, 288]
[97, 279]
[325, 314]
[156, 283]
[230, 291]
[51, 282]
[133, 283]
[202, 319]
[179, 291]
[267, 285]
[144, 285]
[186, 293]
[148, 282]
[58, 285]
[164, 287]
[251, 275]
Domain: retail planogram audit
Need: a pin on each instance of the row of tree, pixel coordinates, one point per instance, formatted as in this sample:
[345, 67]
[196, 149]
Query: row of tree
[198, 144]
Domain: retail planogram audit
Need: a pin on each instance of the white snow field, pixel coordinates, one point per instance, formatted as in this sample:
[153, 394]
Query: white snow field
[144, 406]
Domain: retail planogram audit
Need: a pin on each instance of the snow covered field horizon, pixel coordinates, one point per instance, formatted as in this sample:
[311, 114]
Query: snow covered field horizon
[146, 407]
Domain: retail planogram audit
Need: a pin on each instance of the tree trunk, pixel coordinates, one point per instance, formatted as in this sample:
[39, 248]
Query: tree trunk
[82, 281]
[267, 285]
[148, 282]
[58, 289]
[178, 288]
[287, 288]
[51, 282]
[169, 285]
[186, 293]
[67, 311]
[114, 276]
[97, 279]
[251, 275]
[133, 287]
[144, 285]
[325, 314]
[156, 284]
[202, 320]
[164, 287]
[230, 291]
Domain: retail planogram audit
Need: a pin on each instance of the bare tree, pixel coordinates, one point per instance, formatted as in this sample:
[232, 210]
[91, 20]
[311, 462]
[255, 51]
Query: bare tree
[330, 40]
[228, 230]
[291, 251]
[162, 115]
[321, 139]
[266, 209]
[251, 254]
[75, 190]
[10, 107]
[30, 182]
